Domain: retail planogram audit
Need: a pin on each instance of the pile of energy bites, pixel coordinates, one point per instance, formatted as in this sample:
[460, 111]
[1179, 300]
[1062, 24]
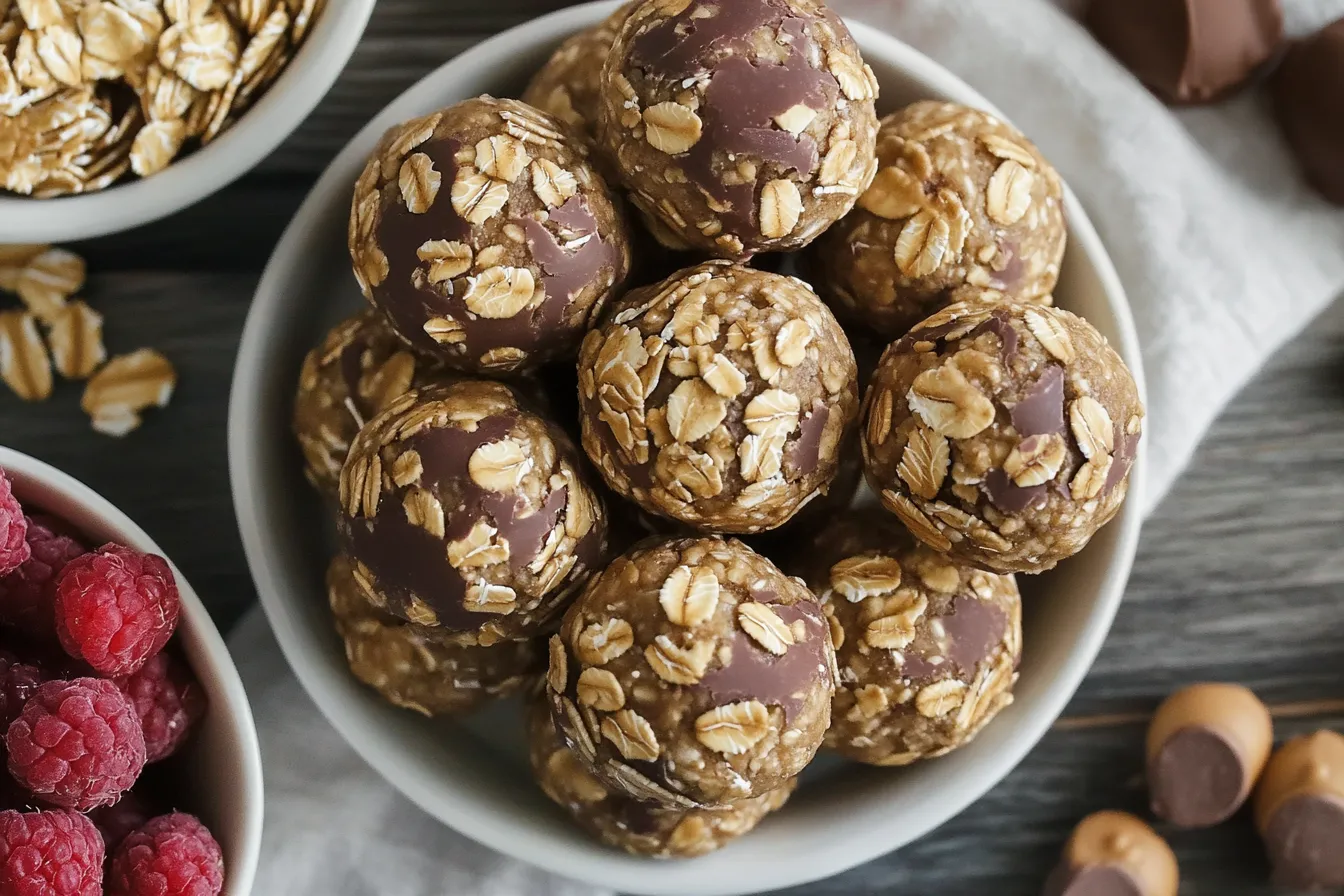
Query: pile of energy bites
[582, 373]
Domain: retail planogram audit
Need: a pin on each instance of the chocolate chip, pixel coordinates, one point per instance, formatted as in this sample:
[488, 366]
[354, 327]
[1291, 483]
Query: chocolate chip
[1305, 841]
[753, 673]
[1042, 411]
[1189, 51]
[1008, 339]
[567, 268]
[1010, 497]
[973, 628]
[802, 456]
[1196, 778]
[1125, 451]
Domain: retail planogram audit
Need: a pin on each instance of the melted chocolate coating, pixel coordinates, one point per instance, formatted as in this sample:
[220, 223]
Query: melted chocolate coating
[1197, 779]
[743, 97]
[1304, 839]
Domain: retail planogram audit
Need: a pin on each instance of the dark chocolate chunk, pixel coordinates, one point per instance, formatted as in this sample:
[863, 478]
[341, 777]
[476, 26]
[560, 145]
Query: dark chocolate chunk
[1126, 448]
[754, 673]
[1010, 497]
[998, 325]
[567, 267]
[1305, 841]
[1197, 778]
[1309, 99]
[1190, 51]
[1093, 880]
[1042, 411]
[974, 628]
[802, 456]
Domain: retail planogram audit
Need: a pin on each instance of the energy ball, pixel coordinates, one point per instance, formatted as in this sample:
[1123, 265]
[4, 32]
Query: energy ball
[485, 236]
[359, 368]
[1206, 746]
[718, 398]
[1299, 811]
[638, 828]
[1002, 436]
[962, 204]
[927, 647]
[463, 512]
[568, 86]
[691, 673]
[738, 126]
[1114, 854]
[414, 667]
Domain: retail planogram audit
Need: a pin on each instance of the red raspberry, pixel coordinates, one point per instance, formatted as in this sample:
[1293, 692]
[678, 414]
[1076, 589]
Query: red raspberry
[18, 681]
[53, 853]
[116, 608]
[172, 855]
[28, 595]
[116, 821]
[13, 529]
[76, 744]
[168, 701]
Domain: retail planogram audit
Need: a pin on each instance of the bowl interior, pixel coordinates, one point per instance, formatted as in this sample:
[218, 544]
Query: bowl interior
[286, 102]
[218, 774]
[474, 776]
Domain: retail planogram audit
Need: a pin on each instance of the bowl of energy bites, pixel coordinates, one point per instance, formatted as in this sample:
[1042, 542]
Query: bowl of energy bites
[716, 423]
[131, 762]
[114, 113]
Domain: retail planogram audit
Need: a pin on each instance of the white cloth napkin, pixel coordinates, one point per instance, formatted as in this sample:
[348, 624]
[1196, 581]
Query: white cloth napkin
[1225, 254]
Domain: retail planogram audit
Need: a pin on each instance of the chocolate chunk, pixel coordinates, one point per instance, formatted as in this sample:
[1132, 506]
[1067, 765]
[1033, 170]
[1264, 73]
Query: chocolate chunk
[973, 629]
[1305, 841]
[1094, 880]
[1010, 497]
[1197, 778]
[1126, 448]
[753, 673]
[802, 456]
[1189, 51]
[1008, 339]
[1309, 98]
[1042, 411]
[568, 265]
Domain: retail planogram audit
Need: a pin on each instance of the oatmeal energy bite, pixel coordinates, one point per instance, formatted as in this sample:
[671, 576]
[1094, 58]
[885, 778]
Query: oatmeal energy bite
[359, 368]
[739, 126]
[465, 513]
[962, 201]
[568, 86]
[485, 236]
[927, 647]
[719, 397]
[692, 673]
[638, 828]
[417, 668]
[1004, 435]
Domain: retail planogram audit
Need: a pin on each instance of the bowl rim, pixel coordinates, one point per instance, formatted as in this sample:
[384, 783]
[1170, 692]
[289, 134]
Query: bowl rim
[531, 843]
[243, 858]
[285, 104]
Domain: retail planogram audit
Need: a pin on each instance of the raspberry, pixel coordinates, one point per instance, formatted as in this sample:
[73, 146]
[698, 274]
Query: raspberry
[172, 855]
[18, 681]
[52, 853]
[28, 594]
[168, 701]
[13, 529]
[76, 744]
[116, 821]
[115, 608]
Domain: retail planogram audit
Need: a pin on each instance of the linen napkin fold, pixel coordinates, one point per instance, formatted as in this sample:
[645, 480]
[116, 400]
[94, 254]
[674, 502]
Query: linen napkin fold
[1224, 251]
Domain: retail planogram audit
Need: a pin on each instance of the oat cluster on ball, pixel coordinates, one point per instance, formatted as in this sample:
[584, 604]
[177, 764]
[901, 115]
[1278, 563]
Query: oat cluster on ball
[415, 666]
[569, 85]
[360, 367]
[738, 126]
[1002, 435]
[692, 673]
[927, 646]
[643, 829]
[485, 236]
[963, 206]
[462, 511]
[718, 398]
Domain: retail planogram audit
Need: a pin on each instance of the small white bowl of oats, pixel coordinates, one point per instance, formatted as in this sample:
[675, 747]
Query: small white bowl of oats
[120, 112]
[474, 776]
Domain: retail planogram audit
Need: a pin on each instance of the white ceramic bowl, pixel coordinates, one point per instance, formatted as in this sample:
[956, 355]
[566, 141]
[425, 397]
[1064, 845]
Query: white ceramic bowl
[219, 771]
[474, 777]
[286, 103]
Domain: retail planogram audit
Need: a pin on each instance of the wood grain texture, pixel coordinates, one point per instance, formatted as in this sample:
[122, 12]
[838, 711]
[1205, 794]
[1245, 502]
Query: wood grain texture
[1240, 574]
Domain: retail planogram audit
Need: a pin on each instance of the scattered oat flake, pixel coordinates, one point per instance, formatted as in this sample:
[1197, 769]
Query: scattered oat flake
[76, 340]
[127, 385]
[24, 365]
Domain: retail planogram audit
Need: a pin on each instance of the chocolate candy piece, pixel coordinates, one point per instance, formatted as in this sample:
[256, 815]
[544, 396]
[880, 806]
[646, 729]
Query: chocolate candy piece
[1114, 854]
[1207, 745]
[1308, 96]
[1189, 51]
[1299, 811]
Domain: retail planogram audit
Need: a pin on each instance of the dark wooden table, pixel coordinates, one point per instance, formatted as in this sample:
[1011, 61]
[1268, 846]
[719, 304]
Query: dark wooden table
[1240, 575]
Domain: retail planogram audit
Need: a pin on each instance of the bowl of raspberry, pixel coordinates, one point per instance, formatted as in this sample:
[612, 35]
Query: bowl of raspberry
[130, 759]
